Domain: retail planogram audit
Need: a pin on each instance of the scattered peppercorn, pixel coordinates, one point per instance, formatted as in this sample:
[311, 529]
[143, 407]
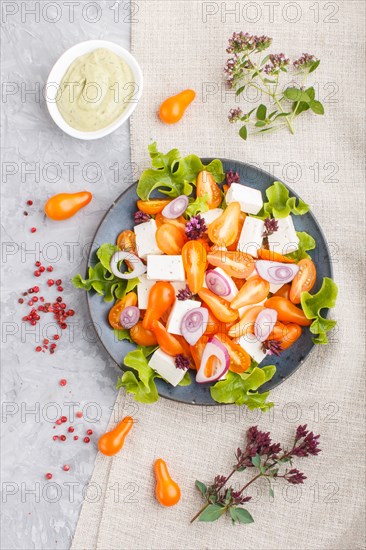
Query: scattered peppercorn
[89, 432]
[48, 476]
[33, 230]
[86, 439]
[63, 382]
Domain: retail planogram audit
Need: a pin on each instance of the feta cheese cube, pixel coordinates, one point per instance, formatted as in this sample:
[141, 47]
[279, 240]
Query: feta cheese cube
[143, 289]
[284, 240]
[252, 346]
[164, 365]
[179, 309]
[145, 239]
[211, 215]
[251, 238]
[250, 199]
[165, 268]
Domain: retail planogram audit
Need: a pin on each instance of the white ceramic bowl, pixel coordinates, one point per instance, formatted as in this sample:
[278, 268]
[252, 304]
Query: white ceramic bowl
[59, 69]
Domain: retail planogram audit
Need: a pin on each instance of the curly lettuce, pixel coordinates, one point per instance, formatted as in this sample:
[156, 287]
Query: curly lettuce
[173, 175]
[280, 204]
[312, 304]
[306, 243]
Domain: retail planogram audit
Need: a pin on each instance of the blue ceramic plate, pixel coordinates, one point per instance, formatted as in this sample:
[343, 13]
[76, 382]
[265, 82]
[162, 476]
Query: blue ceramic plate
[120, 217]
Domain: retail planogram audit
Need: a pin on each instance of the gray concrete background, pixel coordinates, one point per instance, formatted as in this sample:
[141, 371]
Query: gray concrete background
[39, 161]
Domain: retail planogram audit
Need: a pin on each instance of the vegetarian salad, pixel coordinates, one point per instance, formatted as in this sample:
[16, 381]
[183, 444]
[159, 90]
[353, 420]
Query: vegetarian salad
[212, 279]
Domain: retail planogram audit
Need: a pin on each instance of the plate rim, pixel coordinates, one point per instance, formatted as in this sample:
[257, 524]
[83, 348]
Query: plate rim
[205, 160]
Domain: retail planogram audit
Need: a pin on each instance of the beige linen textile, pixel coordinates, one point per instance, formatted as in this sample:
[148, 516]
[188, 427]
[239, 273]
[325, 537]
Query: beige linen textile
[179, 47]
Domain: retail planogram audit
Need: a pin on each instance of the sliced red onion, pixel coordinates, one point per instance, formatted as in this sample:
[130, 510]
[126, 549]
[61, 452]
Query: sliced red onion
[138, 267]
[129, 316]
[217, 283]
[194, 324]
[176, 208]
[264, 323]
[276, 272]
[214, 348]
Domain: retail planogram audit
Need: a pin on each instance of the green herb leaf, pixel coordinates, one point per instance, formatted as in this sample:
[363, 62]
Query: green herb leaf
[197, 205]
[300, 107]
[306, 242]
[311, 92]
[261, 112]
[122, 334]
[312, 306]
[243, 132]
[212, 512]
[260, 123]
[186, 380]
[173, 175]
[314, 66]
[201, 487]
[240, 90]
[317, 107]
[240, 515]
[256, 461]
[241, 388]
[295, 94]
[280, 204]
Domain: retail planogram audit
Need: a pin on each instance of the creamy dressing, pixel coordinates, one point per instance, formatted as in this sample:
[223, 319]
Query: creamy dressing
[95, 90]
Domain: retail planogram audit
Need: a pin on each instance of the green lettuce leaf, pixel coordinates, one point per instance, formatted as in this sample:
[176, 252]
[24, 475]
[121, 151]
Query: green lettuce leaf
[307, 242]
[122, 335]
[280, 204]
[313, 304]
[186, 380]
[241, 388]
[173, 175]
[197, 206]
[141, 386]
[102, 280]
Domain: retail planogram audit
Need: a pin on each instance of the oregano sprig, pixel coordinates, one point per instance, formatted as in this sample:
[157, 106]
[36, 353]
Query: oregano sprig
[247, 67]
[266, 458]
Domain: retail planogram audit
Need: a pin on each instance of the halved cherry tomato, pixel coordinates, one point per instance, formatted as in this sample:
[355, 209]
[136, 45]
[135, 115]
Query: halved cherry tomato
[167, 342]
[284, 291]
[224, 230]
[246, 323]
[234, 245]
[197, 350]
[206, 184]
[115, 312]
[178, 222]
[234, 263]
[161, 297]
[170, 239]
[204, 242]
[239, 282]
[272, 256]
[240, 360]
[285, 334]
[303, 281]
[126, 240]
[225, 188]
[287, 311]
[253, 291]
[152, 207]
[221, 307]
[142, 336]
[194, 257]
[213, 324]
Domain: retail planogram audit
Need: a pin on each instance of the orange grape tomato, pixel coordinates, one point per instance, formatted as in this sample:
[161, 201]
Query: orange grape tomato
[194, 258]
[272, 256]
[246, 322]
[126, 240]
[240, 360]
[213, 324]
[178, 222]
[112, 442]
[284, 291]
[142, 336]
[221, 307]
[224, 230]
[234, 245]
[153, 206]
[285, 333]
[161, 297]
[174, 107]
[253, 291]
[115, 312]
[65, 205]
[234, 263]
[206, 184]
[167, 342]
[170, 239]
[198, 349]
[287, 311]
[186, 347]
[303, 281]
[239, 282]
[167, 491]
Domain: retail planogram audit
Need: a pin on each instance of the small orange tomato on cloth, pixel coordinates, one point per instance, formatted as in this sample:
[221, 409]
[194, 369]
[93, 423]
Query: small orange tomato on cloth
[174, 107]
